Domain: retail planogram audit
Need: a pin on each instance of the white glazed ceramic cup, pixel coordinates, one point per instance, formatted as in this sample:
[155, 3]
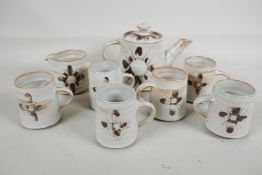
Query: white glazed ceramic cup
[69, 67]
[39, 104]
[102, 72]
[202, 74]
[169, 89]
[230, 108]
[116, 121]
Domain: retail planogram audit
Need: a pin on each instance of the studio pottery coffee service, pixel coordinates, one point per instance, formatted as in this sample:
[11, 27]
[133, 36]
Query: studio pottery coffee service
[42, 95]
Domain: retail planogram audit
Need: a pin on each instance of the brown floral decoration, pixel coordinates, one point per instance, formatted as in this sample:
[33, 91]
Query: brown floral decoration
[32, 107]
[235, 115]
[115, 125]
[133, 61]
[71, 78]
[172, 101]
[197, 83]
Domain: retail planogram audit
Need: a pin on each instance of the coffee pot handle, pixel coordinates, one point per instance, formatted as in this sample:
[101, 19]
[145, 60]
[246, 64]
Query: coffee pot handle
[200, 100]
[106, 45]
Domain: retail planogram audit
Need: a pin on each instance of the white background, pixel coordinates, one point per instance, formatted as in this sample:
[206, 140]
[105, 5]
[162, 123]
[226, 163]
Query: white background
[63, 18]
[230, 31]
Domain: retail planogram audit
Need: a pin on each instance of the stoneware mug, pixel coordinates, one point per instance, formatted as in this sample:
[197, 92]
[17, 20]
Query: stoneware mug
[102, 72]
[116, 121]
[202, 74]
[69, 67]
[169, 89]
[230, 108]
[38, 100]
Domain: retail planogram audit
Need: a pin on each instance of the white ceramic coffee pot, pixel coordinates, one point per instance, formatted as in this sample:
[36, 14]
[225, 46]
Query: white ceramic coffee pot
[141, 51]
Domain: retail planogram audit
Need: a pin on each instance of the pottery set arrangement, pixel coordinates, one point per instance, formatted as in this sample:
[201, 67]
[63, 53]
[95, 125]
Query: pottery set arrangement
[116, 89]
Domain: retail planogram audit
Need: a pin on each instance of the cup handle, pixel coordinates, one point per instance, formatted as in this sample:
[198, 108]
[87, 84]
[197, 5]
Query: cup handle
[141, 87]
[65, 92]
[152, 114]
[129, 76]
[200, 100]
[106, 45]
[222, 74]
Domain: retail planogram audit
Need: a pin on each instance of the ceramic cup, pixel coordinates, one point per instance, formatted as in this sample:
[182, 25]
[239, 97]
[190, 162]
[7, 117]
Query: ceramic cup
[169, 89]
[102, 72]
[230, 108]
[69, 67]
[39, 104]
[202, 74]
[116, 121]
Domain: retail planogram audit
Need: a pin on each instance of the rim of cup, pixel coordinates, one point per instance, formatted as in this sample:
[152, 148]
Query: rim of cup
[18, 85]
[187, 61]
[253, 89]
[115, 85]
[171, 69]
[103, 61]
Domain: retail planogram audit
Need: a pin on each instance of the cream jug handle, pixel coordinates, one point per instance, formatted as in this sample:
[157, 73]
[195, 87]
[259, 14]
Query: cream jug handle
[200, 100]
[106, 45]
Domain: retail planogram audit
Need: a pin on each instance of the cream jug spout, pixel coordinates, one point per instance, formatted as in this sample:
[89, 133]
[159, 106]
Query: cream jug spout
[175, 50]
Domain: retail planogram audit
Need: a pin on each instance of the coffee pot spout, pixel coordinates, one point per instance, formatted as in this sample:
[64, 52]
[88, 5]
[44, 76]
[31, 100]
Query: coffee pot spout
[175, 50]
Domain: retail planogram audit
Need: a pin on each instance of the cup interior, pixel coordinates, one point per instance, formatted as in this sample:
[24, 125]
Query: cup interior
[201, 62]
[104, 66]
[33, 79]
[235, 88]
[70, 55]
[170, 74]
[115, 93]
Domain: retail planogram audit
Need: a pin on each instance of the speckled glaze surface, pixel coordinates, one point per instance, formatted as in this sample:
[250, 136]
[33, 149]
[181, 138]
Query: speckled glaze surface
[230, 108]
[202, 73]
[141, 52]
[116, 121]
[104, 72]
[169, 90]
[70, 69]
[38, 99]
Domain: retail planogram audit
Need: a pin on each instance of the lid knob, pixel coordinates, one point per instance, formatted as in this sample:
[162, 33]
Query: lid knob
[143, 29]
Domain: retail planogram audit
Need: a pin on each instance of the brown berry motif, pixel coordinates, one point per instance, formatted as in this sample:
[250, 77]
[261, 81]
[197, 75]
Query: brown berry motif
[234, 116]
[197, 83]
[32, 107]
[138, 65]
[115, 126]
[71, 78]
[173, 101]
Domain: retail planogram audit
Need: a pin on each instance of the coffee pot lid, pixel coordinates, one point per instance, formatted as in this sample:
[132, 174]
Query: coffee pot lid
[142, 35]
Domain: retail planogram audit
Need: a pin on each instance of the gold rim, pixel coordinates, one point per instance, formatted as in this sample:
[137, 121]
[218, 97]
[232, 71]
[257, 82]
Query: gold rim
[102, 61]
[69, 51]
[239, 81]
[116, 85]
[33, 72]
[208, 58]
[173, 69]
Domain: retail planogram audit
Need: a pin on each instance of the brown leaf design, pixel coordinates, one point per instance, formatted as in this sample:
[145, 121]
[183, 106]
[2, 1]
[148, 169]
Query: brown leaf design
[222, 114]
